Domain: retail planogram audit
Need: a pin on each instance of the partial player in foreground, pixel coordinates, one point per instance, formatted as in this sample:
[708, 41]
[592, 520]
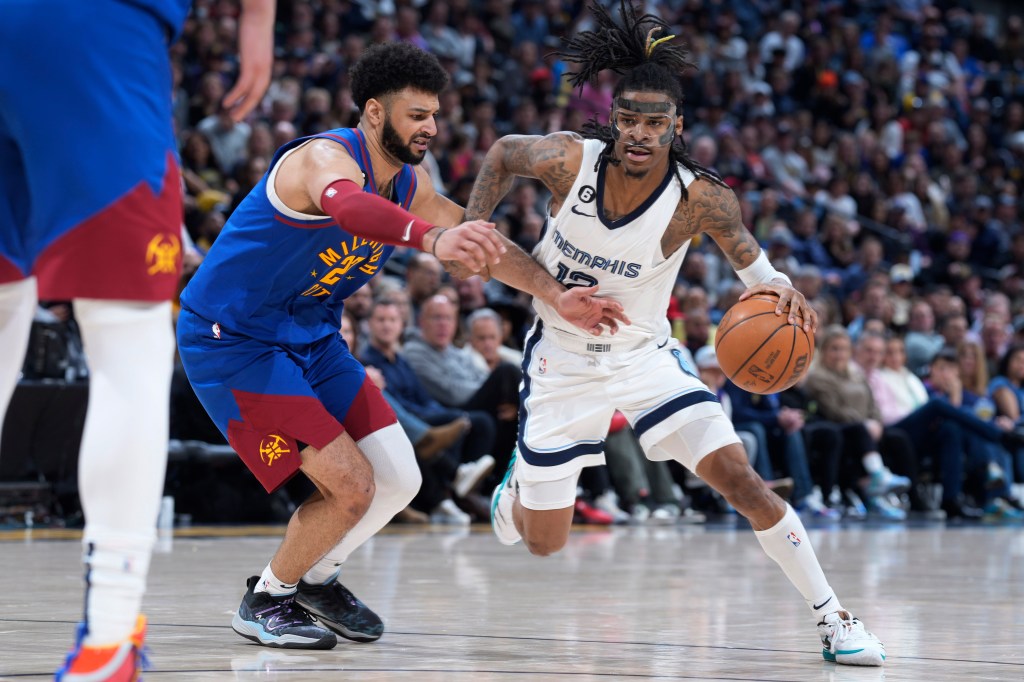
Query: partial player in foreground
[258, 335]
[90, 211]
[626, 203]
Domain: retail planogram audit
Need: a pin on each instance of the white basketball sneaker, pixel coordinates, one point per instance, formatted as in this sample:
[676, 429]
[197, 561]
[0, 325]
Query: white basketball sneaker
[501, 506]
[844, 640]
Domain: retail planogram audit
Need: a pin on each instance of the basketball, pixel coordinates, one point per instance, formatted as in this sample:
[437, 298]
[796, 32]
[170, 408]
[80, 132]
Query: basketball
[759, 351]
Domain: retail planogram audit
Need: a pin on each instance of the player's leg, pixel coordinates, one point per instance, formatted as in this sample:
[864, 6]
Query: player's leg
[779, 530]
[681, 420]
[344, 481]
[542, 513]
[396, 479]
[277, 435]
[389, 455]
[563, 418]
[269, 613]
[123, 455]
[104, 130]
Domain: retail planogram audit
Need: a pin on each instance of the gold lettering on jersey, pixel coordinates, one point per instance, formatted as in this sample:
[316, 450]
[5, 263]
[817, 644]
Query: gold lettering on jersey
[345, 263]
[330, 257]
[316, 290]
[337, 273]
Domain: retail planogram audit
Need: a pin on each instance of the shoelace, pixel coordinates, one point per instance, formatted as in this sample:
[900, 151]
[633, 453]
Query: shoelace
[843, 628]
[345, 593]
[283, 611]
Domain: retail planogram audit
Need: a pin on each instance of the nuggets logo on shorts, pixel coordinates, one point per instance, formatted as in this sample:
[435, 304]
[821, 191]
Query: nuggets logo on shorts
[793, 538]
[162, 254]
[272, 448]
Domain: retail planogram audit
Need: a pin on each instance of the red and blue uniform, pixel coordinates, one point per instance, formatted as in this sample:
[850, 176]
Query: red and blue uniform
[258, 330]
[90, 193]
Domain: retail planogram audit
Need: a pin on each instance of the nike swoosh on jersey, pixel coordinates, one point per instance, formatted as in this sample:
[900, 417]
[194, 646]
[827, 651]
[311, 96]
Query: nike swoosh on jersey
[586, 215]
[664, 344]
[408, 232]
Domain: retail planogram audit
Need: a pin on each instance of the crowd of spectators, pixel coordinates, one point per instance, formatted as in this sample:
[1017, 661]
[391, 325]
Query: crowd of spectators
[877, 150]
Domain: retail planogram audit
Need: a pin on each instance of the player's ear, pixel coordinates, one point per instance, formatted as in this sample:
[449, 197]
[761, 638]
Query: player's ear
[679, 124]
[374, 111]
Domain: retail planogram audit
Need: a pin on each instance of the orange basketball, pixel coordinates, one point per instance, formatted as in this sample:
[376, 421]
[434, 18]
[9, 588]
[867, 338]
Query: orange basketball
[760, 351]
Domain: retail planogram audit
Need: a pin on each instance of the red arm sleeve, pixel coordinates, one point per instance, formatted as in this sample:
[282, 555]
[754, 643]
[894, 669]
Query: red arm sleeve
[372, 217]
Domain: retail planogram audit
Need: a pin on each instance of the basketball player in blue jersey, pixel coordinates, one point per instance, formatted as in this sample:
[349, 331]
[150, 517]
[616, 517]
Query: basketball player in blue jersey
[626, 201]
[90, 211]
[258, 335]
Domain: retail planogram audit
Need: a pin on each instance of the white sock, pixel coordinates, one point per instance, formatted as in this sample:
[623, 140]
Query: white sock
[397, 478]
[787, 543]
[271, 584]
[115, 580]
[17, 307]
[129, 348]
[872, 462]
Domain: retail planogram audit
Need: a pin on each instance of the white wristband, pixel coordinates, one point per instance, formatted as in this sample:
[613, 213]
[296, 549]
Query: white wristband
[761, 270]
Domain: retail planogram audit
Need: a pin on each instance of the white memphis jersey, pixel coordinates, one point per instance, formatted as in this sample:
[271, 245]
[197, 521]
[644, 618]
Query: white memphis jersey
[581, 246]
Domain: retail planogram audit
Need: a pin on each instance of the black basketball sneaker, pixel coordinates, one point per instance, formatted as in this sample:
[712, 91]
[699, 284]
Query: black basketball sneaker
[278, 622]
[336, 607]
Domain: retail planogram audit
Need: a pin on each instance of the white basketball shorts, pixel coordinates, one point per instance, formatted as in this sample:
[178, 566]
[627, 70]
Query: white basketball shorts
[568, 399]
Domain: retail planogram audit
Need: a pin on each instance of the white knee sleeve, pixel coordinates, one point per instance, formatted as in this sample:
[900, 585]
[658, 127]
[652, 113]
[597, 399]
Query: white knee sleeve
[397, 478]
[130, 350]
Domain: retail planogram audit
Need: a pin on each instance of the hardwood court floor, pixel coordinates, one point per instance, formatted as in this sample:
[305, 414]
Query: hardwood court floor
[677, 603]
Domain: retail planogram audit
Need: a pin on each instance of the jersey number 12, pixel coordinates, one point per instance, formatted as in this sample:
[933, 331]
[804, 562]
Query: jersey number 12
[574, 278]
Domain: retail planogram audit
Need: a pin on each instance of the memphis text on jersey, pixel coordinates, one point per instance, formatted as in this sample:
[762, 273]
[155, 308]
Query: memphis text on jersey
[356, 252]
[612, 265]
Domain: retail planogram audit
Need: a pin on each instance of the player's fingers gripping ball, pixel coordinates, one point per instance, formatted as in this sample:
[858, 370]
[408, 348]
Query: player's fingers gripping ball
[762, 352]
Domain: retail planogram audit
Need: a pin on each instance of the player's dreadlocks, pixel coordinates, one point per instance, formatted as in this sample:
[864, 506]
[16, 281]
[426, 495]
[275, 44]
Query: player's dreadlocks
[646, 63]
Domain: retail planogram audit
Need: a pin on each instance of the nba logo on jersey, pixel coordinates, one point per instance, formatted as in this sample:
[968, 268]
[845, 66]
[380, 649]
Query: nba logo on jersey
[543, 366]
[793, 538]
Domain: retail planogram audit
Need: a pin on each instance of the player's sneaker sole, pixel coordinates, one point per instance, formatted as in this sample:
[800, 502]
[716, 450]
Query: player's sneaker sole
[256, 633]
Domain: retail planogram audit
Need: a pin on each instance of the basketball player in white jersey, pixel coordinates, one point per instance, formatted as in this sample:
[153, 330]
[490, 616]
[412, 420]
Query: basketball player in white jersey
[626, 201]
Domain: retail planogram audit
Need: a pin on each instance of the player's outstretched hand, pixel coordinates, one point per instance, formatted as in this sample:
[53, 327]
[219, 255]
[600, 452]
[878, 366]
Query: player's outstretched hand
[581, 307]
[474, 244]
[256, 55]
[788, 296]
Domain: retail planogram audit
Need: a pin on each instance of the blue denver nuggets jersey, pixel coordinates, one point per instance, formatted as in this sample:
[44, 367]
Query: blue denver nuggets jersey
[280, 276]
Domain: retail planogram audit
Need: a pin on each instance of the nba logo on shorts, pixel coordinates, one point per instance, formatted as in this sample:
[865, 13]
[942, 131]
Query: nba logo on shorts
[216, 330]
[543, 366]
[793, 538]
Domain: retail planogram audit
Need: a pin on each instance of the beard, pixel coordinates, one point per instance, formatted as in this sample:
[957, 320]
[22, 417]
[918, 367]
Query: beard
[400, 149]
[636, 174]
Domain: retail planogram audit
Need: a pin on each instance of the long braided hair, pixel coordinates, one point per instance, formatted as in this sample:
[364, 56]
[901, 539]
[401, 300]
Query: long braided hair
[646, 63]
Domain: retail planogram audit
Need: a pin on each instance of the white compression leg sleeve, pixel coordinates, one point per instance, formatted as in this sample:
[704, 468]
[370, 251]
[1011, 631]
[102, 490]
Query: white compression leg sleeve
[129, 347]
[397, 478]
[787, 543]
[17, 307]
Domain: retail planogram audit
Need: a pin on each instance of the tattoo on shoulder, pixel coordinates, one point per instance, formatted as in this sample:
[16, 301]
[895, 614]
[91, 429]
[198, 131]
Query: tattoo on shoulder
[680, 229]
[716, 211]
[546, 159]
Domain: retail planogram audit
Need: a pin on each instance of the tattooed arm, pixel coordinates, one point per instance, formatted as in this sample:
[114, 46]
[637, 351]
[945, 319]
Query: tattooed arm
[554, 160]
[714, 210]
